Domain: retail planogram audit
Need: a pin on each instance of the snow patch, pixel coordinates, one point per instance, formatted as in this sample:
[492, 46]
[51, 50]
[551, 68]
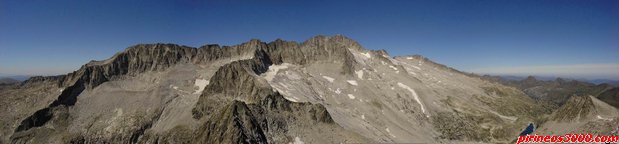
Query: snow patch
[414, 96]
[362, 116]
[352, 82]
[410, 58]
[359, 74]
[511, 118]
[273, 69]
[367, 54]
[337, 91]
[392, 67]
[293, 99]
[297, 140]
[351, 96]
[200, 83]
[330, 79]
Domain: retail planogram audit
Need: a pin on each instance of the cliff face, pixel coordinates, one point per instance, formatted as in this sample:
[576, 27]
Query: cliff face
[265, 122]
[236, 80]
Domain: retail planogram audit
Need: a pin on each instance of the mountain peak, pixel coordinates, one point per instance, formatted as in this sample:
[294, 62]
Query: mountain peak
[339, 40]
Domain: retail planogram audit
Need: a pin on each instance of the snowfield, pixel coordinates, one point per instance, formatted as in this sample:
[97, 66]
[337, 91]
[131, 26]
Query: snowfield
[200, 83]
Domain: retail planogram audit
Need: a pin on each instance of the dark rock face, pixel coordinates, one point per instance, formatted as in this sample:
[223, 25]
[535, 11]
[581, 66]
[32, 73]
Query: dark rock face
[235, 80]
[235, 124]
[319, 48]
[239, 122]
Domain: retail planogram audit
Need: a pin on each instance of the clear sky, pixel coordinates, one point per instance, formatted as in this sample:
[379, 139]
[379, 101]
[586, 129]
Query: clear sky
[578, 38]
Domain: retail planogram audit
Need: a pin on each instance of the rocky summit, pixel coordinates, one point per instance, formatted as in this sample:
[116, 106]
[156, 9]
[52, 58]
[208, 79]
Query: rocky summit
[328, 89]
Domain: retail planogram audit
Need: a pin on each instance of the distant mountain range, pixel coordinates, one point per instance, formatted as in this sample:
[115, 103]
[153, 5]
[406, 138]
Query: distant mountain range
[8, 81]
[547, 78]
[15, 77]
[607, 81]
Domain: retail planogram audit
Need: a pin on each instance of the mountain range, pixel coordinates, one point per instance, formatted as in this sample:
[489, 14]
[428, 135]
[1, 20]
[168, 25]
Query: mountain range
[328, 89]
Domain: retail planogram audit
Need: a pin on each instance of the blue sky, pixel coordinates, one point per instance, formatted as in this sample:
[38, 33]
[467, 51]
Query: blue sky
[573, 38]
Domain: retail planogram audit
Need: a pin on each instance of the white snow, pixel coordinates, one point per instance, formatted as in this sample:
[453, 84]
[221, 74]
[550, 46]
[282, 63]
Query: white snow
[409, 58]
[60, 90]
[359, 74]
[293, 99]
[397, 71]
[200, 83]
[362, 116]
[330, 79]
[337, 91]
[273, 69]
[606, 119]
[352, 82]
[416, 67]
[297, 140]
[367, 54]
[414, 96]
[392, 67]
[511, 118]
[351, 96]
